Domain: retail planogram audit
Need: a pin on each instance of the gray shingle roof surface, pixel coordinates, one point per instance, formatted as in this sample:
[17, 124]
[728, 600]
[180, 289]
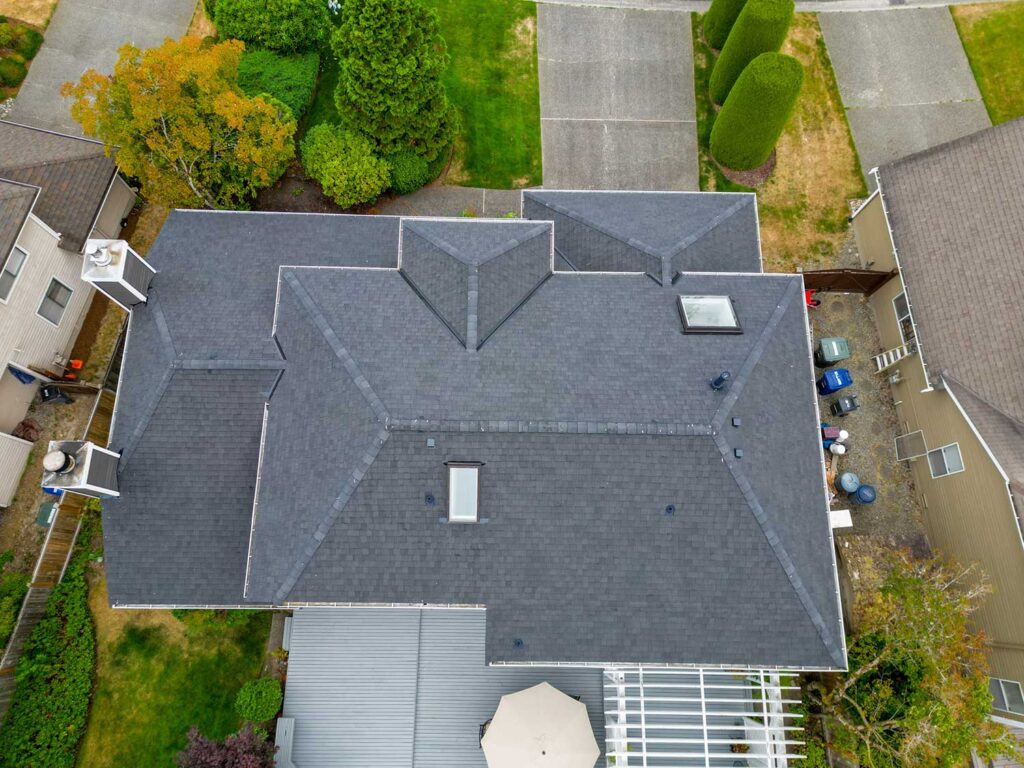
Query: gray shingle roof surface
[957, 216]
[15, 205]
[661, 233]
[589, 407]
[73, 173]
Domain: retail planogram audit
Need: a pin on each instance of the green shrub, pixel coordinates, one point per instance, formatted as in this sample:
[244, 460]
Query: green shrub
[211, 7]
[55, 674]
[409, 172]
[289, 79]
[344, 164]
[760, 28]
[7, 35]
[27, 42]
[285, 26]
[13, 586]
[719, 20]
[259, 700]
[11, 72]
[752, 118]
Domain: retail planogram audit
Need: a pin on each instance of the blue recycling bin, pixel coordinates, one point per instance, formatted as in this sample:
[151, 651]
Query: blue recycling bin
[834, 380]
[865, 494]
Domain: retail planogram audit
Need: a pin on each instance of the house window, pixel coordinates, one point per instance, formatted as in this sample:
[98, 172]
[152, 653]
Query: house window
[463, 492]
[910, 446]
[1006, 695]
[945, 460]
[12, 267]
[902, 309]
[708, 314]
[55, 301]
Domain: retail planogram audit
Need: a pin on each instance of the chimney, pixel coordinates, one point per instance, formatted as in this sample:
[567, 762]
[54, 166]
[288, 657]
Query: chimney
[116, 271]
[80, 467]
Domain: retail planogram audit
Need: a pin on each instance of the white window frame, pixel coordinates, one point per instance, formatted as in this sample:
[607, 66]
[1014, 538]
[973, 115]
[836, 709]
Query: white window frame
[17, 275]
[460, 509]
[1003, 684]
[900, 318]
[942, 448]
[71, 293]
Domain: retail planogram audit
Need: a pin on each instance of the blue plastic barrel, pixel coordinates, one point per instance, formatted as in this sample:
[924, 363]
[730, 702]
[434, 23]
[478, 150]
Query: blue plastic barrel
[834, 380]
[865, 494]
[847, 482]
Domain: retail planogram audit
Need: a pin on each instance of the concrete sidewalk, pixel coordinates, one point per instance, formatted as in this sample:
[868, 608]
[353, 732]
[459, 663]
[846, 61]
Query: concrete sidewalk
[84, 34]
[904, 79]
[616, 98]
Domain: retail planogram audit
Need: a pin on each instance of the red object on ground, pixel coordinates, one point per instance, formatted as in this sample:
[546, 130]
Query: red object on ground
[75, 365]
[812, 302]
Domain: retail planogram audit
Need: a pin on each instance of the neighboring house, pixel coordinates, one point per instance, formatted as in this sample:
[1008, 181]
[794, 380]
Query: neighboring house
[56, 191]
[477, 454]
[950, 220]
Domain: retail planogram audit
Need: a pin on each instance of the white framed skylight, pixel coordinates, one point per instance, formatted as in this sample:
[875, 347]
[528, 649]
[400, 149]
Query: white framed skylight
[708, 314]
[463, 492]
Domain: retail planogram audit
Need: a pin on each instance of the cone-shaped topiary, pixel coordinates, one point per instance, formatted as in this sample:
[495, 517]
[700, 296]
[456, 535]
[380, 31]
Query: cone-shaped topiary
[719, 20]
[760, 28]
[752, 118]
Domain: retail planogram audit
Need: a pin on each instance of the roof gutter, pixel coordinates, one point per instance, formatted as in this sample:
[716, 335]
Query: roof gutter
[899, 268]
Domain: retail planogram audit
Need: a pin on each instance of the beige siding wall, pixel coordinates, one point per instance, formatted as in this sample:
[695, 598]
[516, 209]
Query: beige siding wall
[25, 337]
[872, 236]
[118, 203]
[13, 458]
[885, 314]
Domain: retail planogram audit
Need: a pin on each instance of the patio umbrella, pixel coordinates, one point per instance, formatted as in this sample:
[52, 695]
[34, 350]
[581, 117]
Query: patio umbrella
[540, 727]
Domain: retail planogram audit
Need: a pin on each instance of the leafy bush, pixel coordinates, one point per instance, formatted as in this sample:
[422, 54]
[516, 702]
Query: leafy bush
[719, 19]
[211, 7]
[290, 79]
[6, 34]
[752, 118]
[11, 72]
[13, 587]
[259, 700]
[246, 749]
[27, 42]
[55, 673]
[409, 172]
[344, 164]
[285, 26]
[391, 57]
[760, 28]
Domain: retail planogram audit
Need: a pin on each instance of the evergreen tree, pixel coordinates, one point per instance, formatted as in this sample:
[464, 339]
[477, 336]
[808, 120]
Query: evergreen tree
[391, 57]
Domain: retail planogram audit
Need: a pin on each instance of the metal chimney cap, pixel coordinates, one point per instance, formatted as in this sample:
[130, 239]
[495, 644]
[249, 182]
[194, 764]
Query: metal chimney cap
[102, 257]
[58, 461]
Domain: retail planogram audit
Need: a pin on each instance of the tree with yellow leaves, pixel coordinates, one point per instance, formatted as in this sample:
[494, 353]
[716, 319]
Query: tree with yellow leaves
[181, 125]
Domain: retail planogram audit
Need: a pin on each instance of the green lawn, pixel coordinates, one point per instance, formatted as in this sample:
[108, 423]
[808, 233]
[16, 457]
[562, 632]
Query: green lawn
[492, 79]
[993, 36]
[157, 677]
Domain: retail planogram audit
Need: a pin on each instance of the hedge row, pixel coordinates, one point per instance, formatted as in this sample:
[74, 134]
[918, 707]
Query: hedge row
[285, 26]
[752, 118]
[719, 19]
[761, 27]
[289, 79]
[55, 675]
[13, 586]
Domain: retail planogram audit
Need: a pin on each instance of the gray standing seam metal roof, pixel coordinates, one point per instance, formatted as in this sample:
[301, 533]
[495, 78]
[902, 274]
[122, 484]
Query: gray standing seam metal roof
[16, 202]
[574, 420]
[957, 218]
[73, 173]
[404, 687]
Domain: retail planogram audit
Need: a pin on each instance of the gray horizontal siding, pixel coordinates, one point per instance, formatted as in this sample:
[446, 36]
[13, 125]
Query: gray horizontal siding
[404, 687]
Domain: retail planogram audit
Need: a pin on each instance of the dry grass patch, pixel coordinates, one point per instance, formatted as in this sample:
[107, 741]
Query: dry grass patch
[201, 24]
[35, 12]
[803, 206]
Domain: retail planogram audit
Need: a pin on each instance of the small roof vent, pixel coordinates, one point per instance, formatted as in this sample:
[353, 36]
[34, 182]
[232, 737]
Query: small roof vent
[463, 492]
[80, 467]
[116, 271]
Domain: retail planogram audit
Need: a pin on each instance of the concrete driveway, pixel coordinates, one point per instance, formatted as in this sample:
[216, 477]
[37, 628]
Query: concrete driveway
[616, 98]
[84, 34]
[904, 80]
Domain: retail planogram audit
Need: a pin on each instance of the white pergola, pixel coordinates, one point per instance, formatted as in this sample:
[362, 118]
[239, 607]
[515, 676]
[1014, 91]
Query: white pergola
[679, 718]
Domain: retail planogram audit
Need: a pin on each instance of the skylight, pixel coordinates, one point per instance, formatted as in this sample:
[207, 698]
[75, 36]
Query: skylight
[708, 314]
[463, 492]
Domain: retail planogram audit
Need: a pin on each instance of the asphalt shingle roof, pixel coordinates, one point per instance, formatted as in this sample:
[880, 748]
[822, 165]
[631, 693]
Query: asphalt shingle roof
[73, 174]
[15, 205]
[589, 408]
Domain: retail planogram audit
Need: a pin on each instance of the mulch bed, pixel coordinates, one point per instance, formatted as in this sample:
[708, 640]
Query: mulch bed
[755, 177]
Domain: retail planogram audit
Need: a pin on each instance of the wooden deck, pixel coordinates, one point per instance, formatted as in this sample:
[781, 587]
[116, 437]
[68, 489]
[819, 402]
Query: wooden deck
[54, 557]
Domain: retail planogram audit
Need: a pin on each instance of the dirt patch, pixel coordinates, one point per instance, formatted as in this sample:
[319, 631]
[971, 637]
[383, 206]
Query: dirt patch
[525, 35]
[111, 622]
[144, 224]
[296, 193]
[201, 24]
[455, 173]
[34, 12]
[755, 177]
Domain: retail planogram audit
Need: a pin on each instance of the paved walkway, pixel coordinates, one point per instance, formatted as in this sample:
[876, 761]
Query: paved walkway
[616, 98]
[442, 200]
[904, 80]
[84, 34]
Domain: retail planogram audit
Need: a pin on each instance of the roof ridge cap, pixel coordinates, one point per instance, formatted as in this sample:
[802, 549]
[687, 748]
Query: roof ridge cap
[713, 224]
[504, 247]
[49, 163]
[631, 242]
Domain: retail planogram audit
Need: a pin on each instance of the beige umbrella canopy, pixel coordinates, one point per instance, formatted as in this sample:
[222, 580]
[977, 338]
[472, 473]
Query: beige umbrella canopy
[540, 727]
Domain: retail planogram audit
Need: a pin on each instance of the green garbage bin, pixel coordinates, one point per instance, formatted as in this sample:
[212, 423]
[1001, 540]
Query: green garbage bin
[831, 350]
